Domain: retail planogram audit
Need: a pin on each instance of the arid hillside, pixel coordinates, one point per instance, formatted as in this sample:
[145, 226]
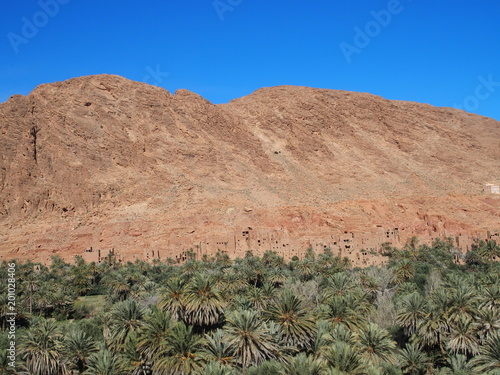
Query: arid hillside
[106, 162]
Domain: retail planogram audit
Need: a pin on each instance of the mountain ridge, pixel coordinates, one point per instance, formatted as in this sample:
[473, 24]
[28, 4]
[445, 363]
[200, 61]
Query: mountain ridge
[103, 150]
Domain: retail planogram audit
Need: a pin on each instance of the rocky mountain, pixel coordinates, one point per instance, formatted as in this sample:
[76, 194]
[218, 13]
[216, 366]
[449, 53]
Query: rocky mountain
[107, 162]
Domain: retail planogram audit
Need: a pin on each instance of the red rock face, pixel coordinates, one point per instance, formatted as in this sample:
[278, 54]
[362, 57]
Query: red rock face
[106, 162]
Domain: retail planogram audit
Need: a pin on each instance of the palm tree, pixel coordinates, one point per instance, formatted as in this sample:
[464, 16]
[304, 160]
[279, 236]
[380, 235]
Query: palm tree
[460, 366]
[431, 332]
[339, 284]
[41, 349]
[433, 329]
[78, 346]
[105, 362]
[118, 285]
[345, 359]
[217, 348]
[489, 358]
[126, 318]
[490, 297]
[5, 368]
[268, 291]
[322, 339]
[172, 299]
[30, 283]
[249, 339]
[413, 361]
[374, 344]
[404, 270]
[413, 310]
[341, 333]
[203, 303]
[253, 270]
[303, 364]
[4, 308]
[183, 353]
[277, 276]
[462, 302]
[489, 251]
[153, 332]
[487, 321]
[307, 269]
[297, 327]
[462, 337]
[216, 368]
[345, 311]
[254, 295]
[81, 277]
[232, 285]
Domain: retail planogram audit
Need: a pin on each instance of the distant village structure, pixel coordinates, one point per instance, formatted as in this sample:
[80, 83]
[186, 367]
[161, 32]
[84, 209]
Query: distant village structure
[362, 249]
[492, 189]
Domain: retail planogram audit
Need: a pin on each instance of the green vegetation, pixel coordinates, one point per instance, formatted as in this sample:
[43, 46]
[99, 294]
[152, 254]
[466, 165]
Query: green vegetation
[421, 314]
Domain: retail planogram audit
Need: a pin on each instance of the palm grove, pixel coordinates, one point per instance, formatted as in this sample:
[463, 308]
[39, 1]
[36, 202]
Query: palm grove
[422, 314]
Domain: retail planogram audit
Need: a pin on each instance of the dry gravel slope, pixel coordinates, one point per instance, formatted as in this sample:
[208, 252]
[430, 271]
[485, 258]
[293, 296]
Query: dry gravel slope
[105, 161]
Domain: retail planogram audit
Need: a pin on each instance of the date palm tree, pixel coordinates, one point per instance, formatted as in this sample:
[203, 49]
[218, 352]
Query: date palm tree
[433, 329]
[343, 358]
[126, 317]
[216, 368]
[172, 299]
[489, 358]
[413, 310]
[249, 339]
[217, 348]
[413, 360]
[339, 284]
[303, 364]
[233, 284]
[347, 311]
[403, 270]
[118, 284]
[255, 296]
[463, 302]
[78, 346]
[4, 308]
[489, 251]
[30, 283]
[106, 362]
[5, 368]
[460, 366]
[489, 297]
[322, 339]
[375, 345]
[153, 332]
[42, 349]
[487, 322]
[462, 337]
[297, 327]
[203, 303]
[183, 354]
[307, 269]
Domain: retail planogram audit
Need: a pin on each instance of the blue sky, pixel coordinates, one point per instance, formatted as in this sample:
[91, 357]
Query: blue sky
[446, 53]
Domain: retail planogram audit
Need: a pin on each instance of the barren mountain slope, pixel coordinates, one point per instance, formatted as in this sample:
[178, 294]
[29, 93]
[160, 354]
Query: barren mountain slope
[104, 161]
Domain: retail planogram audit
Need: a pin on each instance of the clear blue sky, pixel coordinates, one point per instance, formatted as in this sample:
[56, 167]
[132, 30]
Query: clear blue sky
[444, 53]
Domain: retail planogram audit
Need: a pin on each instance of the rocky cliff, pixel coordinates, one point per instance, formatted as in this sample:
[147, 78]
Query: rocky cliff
[106, 162]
